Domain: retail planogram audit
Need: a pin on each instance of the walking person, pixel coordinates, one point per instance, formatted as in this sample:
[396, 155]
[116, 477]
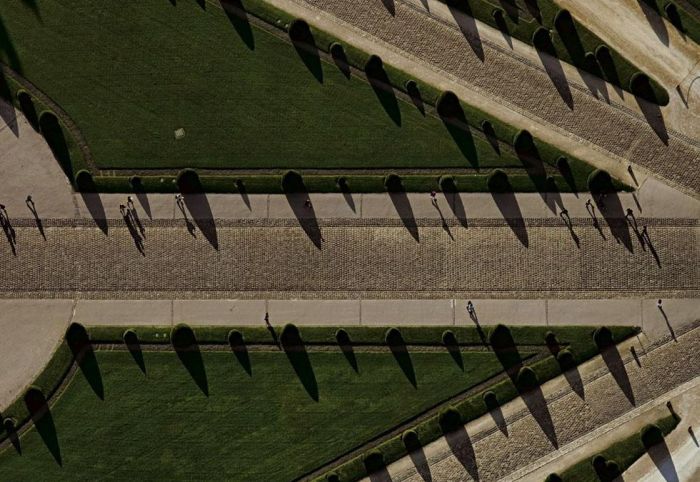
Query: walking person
[471, 310]
[433, 198]
[130, 202]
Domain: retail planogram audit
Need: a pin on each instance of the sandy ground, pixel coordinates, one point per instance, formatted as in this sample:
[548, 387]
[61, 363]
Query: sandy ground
[31, 331]
[654, 45]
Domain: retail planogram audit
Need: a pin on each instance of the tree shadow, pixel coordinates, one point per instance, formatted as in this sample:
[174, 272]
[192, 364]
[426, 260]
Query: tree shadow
[340, 59]
[613, 360]
[140, 192]
[390, 7]
[240, 350]
[236, 13]
[7, 46]
[466, 22]
[573, 377]
[537, 405]
[93, 202]
[501, 23]
[654, 117]
[417, 455]
[661, 456]
[345, 345]
[198, 206]
[240, 187]
[9, 230]
[131, 340]
[27, 107]
[39, 411]
[548, 56]
[450, 341]
[607, 66]
[454, 201]
[84, 355]
[414, 93]
[347, 194]
[381, 85]
[494, 409]
[398, 348]
[305, 46]
[452, 115]
[534, 9]
[53, 134]
[568, 175]
[187, 350]
[461, 446]
[11, 430]
[510, 210]
[403, 207]
[7, 109]
[490, 133]
[34, 7]
[610, 207]
[655, 19]
[296, 353]
[299, 201]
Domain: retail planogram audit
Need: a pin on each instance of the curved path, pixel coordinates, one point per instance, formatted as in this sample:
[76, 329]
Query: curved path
[528, 95]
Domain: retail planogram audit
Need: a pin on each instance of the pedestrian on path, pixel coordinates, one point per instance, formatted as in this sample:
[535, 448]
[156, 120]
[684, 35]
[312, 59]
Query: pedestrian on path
[130, 202]
[433, 198]
[564, 214]
[307, 203]
[471, 310]
[659, 305]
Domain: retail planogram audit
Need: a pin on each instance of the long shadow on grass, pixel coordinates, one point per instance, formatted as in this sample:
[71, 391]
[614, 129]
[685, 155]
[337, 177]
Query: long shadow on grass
[239, 19]
[11, 431]
[305, 46]
[40, 413]
[450, 341]
[345, 345]
[295, 350]
[398, 348]
[381, 85]
[456, 124]
[661, 457]
[188, 352]
[84, 354]
[131, 340]
[238, 346]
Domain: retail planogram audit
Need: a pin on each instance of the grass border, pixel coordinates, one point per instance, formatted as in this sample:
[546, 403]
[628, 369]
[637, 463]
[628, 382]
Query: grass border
[280, 21]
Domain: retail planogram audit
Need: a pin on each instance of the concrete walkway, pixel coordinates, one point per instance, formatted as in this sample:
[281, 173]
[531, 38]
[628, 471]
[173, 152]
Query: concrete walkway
[584, 411]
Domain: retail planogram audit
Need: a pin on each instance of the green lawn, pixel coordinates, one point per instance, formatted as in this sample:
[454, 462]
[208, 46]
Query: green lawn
[260, 427]
[130, 73]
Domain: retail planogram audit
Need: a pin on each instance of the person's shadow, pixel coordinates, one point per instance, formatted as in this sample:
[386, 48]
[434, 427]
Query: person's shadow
[37, 219]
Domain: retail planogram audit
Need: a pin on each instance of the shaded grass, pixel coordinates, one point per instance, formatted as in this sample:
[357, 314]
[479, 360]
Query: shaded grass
[149, 425]
[148, 68]
[221, 82]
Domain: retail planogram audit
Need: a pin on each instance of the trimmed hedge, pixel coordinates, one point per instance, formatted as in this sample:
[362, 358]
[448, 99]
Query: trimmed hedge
[651, 435]
[619, 456]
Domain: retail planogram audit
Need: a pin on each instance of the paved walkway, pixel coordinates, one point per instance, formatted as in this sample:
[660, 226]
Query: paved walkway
[609, 136]
[591, 404]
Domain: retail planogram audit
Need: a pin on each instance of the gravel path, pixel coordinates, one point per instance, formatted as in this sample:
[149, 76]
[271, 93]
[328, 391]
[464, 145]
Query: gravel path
[485, 451]
[527, 87]
[376, 259]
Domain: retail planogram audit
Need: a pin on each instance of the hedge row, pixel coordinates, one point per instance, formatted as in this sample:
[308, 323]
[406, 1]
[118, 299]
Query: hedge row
[678, 16]
[554, 30]
[477, 405]
[615, 459]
